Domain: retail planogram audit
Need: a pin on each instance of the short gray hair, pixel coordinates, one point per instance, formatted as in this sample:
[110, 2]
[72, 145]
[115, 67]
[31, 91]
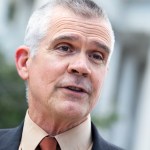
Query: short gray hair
[39, 22]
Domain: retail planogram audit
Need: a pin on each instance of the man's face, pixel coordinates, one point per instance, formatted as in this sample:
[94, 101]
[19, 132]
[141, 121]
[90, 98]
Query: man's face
[66, 74]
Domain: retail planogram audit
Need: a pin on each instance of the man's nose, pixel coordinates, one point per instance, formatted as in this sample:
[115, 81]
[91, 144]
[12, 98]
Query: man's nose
[79, 66]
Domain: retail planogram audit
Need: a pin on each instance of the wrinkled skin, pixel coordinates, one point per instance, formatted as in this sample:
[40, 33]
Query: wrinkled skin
[66, 74]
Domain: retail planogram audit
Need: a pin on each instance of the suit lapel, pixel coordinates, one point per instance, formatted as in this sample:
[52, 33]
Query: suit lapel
[11, 139]
[96, 138]
[99, 143]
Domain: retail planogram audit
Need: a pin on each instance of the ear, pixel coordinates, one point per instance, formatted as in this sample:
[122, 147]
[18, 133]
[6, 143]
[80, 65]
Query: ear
[21, 59]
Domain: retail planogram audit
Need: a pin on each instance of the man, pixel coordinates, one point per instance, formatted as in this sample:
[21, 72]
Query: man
[64, 60]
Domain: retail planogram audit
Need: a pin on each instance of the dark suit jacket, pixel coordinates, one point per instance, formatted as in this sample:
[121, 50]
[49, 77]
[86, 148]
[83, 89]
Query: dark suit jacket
[10, 139]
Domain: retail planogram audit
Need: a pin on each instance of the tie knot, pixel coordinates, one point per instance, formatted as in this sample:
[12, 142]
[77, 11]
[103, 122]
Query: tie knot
[48, 143]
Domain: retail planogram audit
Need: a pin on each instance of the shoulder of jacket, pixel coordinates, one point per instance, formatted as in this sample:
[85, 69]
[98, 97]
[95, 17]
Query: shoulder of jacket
[4, 132]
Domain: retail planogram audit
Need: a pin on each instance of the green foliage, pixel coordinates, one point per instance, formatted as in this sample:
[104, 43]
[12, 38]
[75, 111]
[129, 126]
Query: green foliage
[12, 95]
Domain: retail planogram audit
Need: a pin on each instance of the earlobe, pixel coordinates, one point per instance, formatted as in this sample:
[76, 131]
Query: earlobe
[21, 59]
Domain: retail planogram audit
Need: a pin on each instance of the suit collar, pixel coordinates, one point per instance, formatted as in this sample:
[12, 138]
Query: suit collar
[99, 143]
[11, 139]
[96, 138]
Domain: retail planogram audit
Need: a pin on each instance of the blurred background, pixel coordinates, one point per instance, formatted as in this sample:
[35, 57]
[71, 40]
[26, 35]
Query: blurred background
[122, 114]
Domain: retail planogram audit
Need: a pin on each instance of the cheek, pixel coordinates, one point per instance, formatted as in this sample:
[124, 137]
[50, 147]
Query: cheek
[98, 81]
[97, 85]
[52, 70]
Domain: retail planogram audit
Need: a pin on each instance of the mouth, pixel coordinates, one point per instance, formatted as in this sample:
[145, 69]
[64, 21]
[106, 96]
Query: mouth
[76, 89]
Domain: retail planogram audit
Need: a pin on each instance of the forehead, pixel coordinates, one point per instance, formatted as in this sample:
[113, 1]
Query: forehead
[66, 22]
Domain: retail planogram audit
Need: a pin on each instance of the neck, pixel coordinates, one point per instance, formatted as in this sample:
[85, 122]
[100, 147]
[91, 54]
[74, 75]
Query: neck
[55, 125]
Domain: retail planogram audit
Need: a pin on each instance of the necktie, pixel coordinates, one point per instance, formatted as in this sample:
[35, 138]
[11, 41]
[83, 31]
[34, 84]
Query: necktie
[48, 143]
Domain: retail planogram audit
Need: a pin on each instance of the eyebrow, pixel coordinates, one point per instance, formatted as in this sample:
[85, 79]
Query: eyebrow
[101, 46]
[73, 37]
[69, 37]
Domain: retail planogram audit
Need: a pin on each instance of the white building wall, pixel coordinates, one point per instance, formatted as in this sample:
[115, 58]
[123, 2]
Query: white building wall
[142, 128]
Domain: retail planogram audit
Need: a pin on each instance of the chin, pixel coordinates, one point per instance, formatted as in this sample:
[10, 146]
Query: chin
[74, 110]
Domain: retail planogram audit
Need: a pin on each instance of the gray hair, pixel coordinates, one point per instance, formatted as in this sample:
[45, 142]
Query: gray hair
[39, 22]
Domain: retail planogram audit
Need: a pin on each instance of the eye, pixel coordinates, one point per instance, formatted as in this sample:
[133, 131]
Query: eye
[97, 57]
[64, 48]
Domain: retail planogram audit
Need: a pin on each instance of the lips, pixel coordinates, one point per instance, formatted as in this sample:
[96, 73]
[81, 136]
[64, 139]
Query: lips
[75, 85]
[76, 89]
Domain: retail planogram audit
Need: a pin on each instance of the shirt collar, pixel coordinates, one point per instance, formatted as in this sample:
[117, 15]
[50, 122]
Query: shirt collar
[32, 134]
[77, 138]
